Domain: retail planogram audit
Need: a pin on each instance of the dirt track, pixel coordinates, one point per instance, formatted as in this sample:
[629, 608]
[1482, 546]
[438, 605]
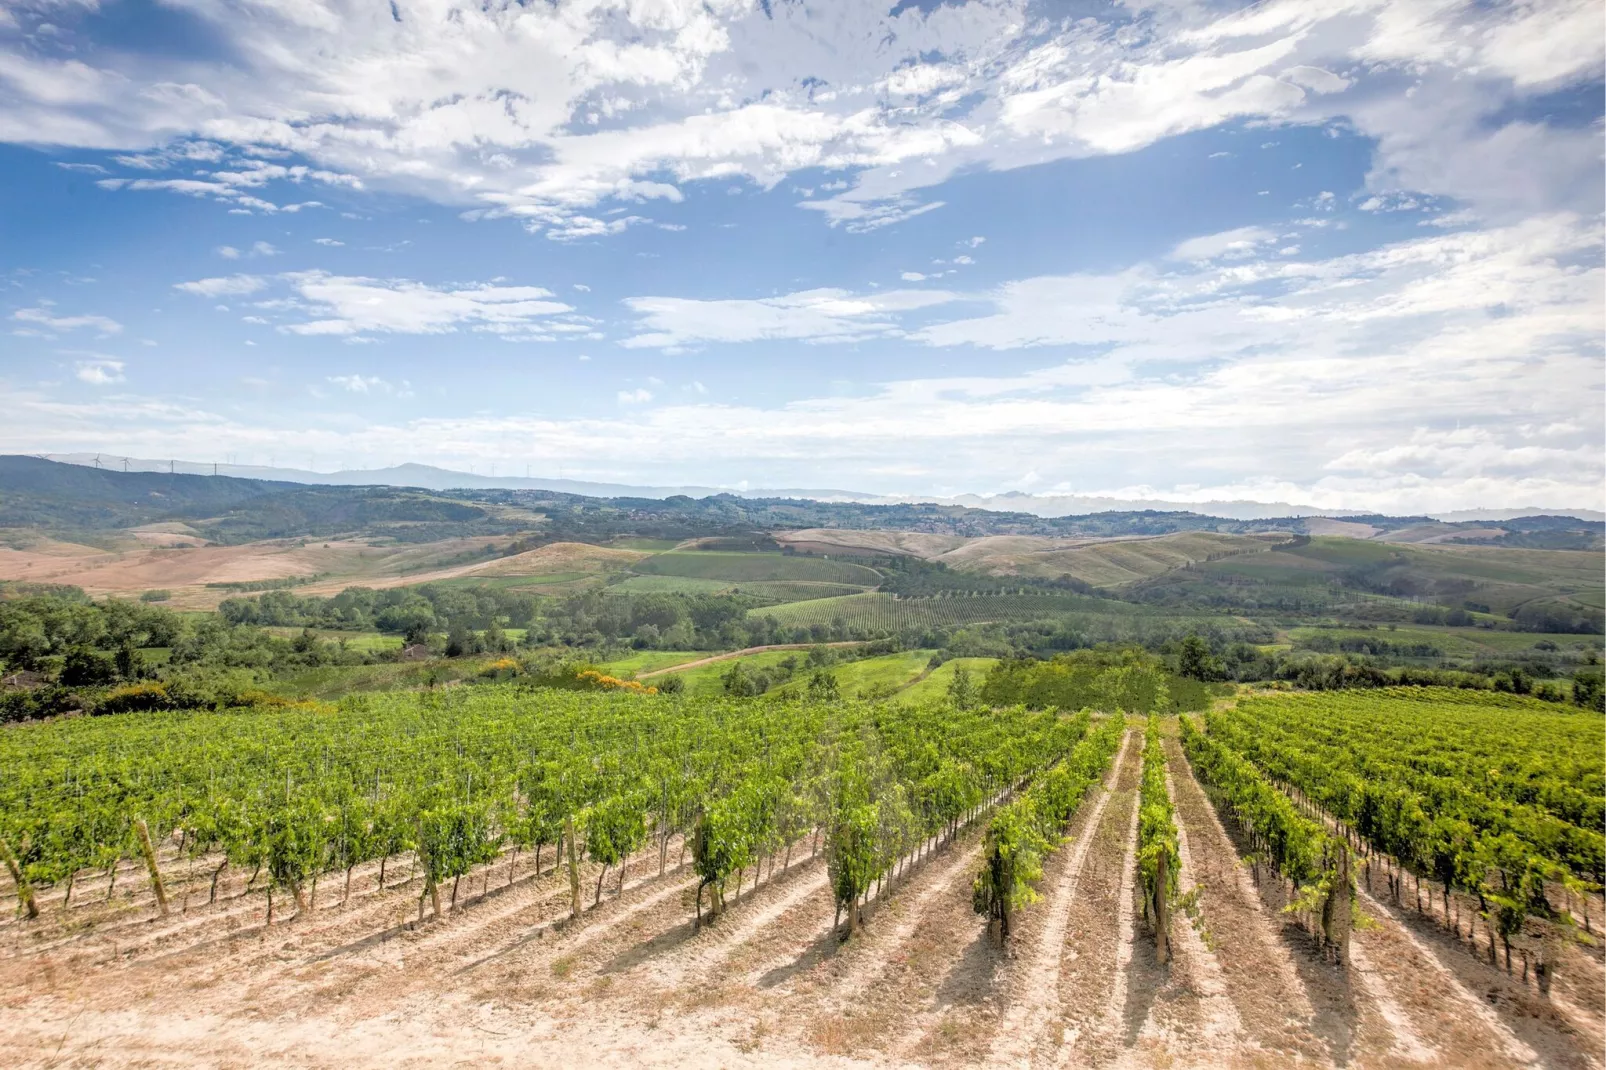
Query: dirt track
[635, 983]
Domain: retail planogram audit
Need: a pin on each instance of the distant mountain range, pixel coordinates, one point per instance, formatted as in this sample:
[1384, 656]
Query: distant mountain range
[428, 477]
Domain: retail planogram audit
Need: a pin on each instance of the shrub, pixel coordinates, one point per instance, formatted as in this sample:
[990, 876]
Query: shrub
[135, 698]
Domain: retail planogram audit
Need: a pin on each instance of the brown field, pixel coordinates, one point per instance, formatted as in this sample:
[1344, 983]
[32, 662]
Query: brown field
[506, 979]
[1321, 525]
[185, 570]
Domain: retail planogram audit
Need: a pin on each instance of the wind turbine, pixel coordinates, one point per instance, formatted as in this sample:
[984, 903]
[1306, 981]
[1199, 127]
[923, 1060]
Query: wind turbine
[97, 460]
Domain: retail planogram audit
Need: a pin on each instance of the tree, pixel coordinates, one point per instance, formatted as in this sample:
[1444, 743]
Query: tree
[823, 687]
[127, 660]
[962, 690]
[1196, 662]
[84, 667]
[740, 683]
[460, 641]
[495, 639]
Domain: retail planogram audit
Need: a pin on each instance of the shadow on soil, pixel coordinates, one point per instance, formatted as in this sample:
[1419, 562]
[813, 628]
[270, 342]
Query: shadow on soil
[972, 979]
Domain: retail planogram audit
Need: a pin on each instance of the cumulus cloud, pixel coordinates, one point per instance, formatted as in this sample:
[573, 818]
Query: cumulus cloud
[99, 371]
[547, 112]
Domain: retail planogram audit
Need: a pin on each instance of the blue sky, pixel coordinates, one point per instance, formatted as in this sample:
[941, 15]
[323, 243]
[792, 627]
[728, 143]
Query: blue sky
[1345, 254]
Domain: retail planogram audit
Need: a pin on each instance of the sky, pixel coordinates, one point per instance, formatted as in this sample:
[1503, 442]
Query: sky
[1345, 254]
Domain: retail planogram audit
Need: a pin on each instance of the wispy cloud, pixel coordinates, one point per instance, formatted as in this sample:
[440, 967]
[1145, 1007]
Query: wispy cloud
[353, 305]
[49, 320]
[223, 286]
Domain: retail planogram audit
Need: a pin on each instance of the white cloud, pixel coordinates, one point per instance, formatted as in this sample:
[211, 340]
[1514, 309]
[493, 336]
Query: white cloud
[824, 315]
[263, 248]
[98, 372]
[224, 286]
[228, 252]
[352, 305]
[639, 396]
[357, 383]
[547, 112]
[1229, 244]
[45, 318]
[328, 241]
[912, 276]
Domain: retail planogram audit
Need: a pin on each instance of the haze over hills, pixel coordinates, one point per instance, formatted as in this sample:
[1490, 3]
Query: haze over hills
[429, 477]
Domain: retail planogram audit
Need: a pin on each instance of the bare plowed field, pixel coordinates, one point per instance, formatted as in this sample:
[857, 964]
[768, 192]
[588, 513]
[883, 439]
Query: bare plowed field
[506, 978]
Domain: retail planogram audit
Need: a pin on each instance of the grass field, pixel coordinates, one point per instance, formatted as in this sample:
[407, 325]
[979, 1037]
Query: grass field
[747, 568]
[872, 676]
[796, 590]
[879, 611]
[935, 686]
[669, 585]
[651, 660]
[1455, 642]
[651, 546]
[772, 590]
[707, 679]
[1501, 578]
[550, 579]
[367, 642]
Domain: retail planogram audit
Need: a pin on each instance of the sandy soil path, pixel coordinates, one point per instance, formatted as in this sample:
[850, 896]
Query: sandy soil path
[1034, 986]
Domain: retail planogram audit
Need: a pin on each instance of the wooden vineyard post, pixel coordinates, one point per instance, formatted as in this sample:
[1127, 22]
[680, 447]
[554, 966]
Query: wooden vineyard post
[1162, 909]
[143, 833]
[25, 898]
[574, 868]
[1338, 914]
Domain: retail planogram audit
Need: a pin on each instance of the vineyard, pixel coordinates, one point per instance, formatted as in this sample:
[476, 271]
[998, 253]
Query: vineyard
[701, 881]
[299, 796]
[1497, 797]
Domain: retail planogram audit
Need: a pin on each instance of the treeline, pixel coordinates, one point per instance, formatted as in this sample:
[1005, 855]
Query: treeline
[1107, 679]
[412, 612]
[62, 651]
[1194, 658]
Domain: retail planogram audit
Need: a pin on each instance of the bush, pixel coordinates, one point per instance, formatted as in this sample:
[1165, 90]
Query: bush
[155, 596]
[1588, 690]
[134, 698]
[84, 667]
[36, 704]
[502, 669]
